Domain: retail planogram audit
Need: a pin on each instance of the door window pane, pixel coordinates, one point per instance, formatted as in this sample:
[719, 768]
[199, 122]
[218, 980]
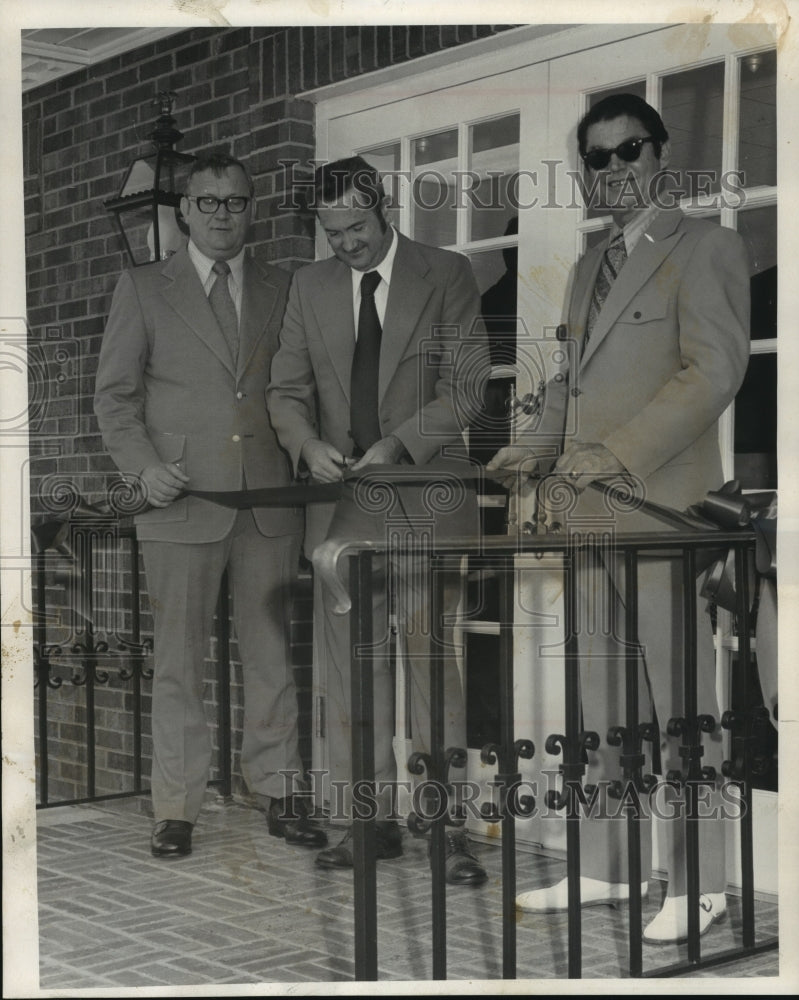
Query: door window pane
[434, 159]
[692, 108]
[493, 165]
[756, 425]
[637, 87]
[496, 275]
[386, 160]
[595, 237]
[757, 143]
[758, 226]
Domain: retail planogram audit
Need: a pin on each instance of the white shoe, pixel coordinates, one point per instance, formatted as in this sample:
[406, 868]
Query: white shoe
[593, 892]
[671, 924]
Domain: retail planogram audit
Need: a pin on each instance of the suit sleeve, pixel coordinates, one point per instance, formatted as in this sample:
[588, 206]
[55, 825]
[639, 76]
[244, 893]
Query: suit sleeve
[464, 368]
[713, 320]
[119, 385]
[544, 435]
[291, 393]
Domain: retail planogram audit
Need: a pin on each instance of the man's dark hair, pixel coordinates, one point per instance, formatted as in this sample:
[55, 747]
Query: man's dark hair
[218, 161]
[624, 104]
[353, 173]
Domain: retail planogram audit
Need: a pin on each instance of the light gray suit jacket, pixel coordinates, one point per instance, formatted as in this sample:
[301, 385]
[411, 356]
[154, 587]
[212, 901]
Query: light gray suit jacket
[434, 360]
[167, 389]
[667, 355]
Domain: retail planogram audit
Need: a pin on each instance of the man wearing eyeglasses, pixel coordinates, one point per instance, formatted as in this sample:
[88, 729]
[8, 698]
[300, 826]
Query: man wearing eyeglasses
[659, 316]
[180, 401]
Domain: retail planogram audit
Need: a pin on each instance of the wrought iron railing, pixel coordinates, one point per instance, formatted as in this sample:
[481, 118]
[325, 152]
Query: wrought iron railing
[500, 555]
[88, 635]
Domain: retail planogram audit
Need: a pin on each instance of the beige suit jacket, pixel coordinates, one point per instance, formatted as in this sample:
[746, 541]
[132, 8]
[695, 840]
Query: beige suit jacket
[167, 390]
[666, 357]
[434, 360]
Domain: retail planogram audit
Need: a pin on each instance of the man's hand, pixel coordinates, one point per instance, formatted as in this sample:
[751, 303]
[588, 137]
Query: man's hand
[516, 466]
[386, 451]
[584, 462]
[325, 463]
[162, 483]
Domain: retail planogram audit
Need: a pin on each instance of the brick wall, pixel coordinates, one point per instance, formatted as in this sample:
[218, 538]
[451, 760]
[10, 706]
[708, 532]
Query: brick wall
[235, 88]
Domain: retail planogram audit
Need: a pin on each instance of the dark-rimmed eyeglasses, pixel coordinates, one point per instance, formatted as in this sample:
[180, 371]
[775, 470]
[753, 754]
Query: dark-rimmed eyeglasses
[629, 151]
[207, 204]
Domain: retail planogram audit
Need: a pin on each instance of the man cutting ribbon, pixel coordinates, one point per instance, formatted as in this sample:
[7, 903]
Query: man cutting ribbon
[382, 361]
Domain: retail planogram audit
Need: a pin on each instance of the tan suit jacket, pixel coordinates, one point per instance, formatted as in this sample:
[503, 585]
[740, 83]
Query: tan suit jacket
[666, 357]
[434, 360]
[167, 390]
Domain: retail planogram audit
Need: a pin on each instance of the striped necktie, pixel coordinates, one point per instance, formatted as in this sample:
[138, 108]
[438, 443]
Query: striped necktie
[224, 308]
[612, 262]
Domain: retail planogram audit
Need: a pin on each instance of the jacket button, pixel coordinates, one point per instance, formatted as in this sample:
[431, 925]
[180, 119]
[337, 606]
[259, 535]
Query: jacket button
[236, 437]
[576, 391]
[636, 315]
[239, 395]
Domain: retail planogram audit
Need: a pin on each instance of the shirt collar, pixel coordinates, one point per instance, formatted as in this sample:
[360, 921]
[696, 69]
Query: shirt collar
[635, 228]
[205, 264]
[384, 268]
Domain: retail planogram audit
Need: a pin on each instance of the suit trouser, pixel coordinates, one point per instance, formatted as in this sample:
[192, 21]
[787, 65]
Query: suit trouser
[412, 612]
[660, 683]
[183, 582]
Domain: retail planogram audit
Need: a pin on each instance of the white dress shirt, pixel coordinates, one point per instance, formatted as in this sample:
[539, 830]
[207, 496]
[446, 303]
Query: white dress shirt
[384, 269]
[204, 266]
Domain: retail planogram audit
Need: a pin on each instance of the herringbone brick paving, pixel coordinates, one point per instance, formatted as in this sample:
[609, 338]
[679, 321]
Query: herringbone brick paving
[246, 908]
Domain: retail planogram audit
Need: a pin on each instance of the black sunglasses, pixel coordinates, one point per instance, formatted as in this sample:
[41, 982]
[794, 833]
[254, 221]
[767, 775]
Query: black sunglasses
[629, 151]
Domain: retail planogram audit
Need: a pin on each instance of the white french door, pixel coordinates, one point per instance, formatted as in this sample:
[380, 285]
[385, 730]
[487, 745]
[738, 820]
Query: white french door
[482, 158]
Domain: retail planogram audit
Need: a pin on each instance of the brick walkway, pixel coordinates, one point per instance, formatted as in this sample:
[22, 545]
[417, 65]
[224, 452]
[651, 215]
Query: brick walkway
[245, 908]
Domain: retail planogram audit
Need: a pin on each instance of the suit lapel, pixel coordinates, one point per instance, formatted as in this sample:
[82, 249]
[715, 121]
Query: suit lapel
[186, 296]
[407, 297]
[332, 305]
[583, 290]
[258, 303]
[650, 252]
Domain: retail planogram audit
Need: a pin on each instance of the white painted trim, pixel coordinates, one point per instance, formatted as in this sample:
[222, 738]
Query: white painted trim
[57, 53]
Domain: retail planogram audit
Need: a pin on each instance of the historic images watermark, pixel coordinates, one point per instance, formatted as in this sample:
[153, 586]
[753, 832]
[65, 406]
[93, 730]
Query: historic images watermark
[458, 801]
[553, 185]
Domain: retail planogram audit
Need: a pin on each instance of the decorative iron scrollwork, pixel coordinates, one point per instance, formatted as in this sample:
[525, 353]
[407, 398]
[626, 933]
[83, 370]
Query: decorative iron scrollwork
[572, 769]
[438, 796]
[508, 781]
[748, 729]
[692, 749]
[632, 758]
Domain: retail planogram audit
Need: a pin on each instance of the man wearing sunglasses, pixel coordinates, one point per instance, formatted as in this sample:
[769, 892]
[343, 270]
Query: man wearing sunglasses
[659, 316]
[180, 401]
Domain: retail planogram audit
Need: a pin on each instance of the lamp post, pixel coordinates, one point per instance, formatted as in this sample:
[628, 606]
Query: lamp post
[147, 208]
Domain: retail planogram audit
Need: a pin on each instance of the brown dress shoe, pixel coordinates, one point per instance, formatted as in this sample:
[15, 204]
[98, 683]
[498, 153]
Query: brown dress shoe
[171, 838]
[388, 844]
[288, 818]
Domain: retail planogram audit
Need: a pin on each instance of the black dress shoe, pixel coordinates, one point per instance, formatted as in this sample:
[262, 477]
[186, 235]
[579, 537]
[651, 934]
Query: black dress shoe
[288, 818]
[460, 865]
[388, 844]
[171, 838]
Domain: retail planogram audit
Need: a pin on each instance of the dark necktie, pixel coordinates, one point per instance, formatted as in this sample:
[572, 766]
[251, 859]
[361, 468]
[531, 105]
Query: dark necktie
[364, 421]
[612, 262]
[224, 307]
